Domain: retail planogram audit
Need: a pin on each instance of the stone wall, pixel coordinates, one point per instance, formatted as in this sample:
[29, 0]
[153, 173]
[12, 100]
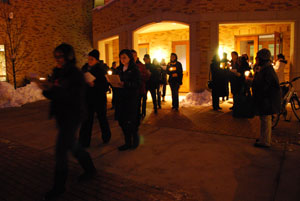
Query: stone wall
[50, 23]
[162, 41]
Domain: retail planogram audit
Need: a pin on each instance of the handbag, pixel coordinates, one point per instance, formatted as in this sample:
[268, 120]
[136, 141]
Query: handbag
[209, 82]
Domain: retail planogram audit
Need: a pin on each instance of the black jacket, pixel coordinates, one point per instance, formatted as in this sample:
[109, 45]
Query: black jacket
[219, 80]
[127, 97]
[266, 91]
[98, 91]
[153, 81]
[67, 93]
[174, 70]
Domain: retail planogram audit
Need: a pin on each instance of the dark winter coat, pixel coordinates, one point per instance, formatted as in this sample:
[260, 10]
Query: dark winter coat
[238, 82]
[97, 93]
[266, 91]
[219, 80]
[127, 97]
[67, 94]
[154, 79]
[174, 70]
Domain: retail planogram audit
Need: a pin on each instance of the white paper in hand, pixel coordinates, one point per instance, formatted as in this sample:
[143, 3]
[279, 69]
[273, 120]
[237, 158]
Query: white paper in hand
[114, 80]
[89, 77]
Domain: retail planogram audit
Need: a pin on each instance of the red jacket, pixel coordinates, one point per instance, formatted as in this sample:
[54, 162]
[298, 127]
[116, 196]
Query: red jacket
[145, 74]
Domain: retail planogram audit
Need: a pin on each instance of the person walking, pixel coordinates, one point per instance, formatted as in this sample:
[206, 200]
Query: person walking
[266, 94]
[158, 70]
[96, 99]
[65, 89]
[145, 75]
[174, 70]
[153, 82]
[128, 96]
[163, 79]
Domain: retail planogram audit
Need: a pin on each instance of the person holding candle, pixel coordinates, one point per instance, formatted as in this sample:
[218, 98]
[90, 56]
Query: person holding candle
[96, 100]
[174, 70]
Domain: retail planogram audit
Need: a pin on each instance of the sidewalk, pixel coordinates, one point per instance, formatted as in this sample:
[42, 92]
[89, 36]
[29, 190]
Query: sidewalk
[193, 154]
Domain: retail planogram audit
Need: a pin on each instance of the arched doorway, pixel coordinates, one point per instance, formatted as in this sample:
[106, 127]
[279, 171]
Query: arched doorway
[159, 40]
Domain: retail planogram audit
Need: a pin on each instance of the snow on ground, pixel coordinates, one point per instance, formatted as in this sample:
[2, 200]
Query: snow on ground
[194, 99]
[9, 97]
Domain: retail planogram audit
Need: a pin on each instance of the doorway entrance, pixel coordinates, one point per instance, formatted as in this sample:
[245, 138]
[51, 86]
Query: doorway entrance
[109, 50]
[159, 40]
[249, 38]
[2, 64]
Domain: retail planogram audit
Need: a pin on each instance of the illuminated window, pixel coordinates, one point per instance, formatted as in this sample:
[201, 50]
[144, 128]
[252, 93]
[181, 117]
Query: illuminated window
[2, 64]
[99, 3]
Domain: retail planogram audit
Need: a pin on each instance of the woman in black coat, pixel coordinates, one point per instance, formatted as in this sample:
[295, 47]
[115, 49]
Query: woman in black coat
[174, 70]
[266, 94]
[96, 100]
[218, 77]
[127, 102]
[65, 89]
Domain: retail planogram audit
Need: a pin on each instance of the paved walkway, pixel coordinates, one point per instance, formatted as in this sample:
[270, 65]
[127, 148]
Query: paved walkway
[193, 154]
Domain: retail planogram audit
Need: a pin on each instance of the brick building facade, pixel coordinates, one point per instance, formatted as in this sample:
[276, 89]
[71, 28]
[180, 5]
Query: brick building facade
[50, 23]
[123, 17]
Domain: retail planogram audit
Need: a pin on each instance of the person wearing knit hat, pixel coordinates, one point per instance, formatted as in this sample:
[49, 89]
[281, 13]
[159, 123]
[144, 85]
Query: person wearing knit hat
[266, 95]
[95, 53]
[96, 88]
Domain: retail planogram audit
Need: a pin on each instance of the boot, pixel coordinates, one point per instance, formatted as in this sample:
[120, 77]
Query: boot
[58, 188]
[87, 164]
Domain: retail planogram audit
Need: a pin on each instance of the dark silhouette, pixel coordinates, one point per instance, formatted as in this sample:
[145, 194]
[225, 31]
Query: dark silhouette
[65, 89]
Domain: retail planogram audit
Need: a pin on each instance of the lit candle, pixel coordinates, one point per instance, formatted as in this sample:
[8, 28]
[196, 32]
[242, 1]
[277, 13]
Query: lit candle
[109, 72]
[42, 78]
[230, 67]
[247, 73]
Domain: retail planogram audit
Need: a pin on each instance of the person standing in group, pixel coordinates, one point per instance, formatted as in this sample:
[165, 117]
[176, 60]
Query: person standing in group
[153, 82]
[163, 81]
[279, 67]
[96, 88]
[65, 89]
[225, 66]
[218, 77]
[266, 94]
[113, 72]
[158, 71]
[174, 70]
[234, 76]
[145, 75]
[128, 96]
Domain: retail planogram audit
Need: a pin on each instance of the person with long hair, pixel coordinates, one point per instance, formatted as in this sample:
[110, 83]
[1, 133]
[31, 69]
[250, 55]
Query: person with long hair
[128, 96]
[174, 70]
[65, 89]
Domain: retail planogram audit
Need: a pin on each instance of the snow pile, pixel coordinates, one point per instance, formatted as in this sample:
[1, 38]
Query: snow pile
[193, 99]
[9, 97]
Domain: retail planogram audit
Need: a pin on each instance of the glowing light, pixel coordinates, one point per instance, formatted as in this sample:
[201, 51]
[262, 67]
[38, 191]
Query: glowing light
[159, 55]
[221, 51]
[42, 78]
[109, 72]
[247, 73]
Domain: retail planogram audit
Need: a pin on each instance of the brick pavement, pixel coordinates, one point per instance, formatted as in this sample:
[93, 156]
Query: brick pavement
[28, 174]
